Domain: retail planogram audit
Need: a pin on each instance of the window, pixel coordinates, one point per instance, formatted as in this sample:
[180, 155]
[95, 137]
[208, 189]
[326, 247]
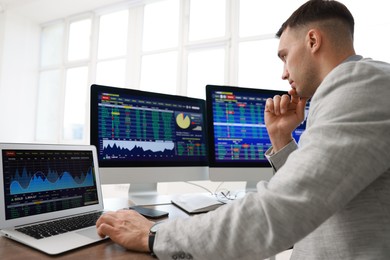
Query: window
[159, 61]
[259, 17]
[159, 72]
[207, 19]
[75, 103]
[205, 67]
[79, 40]
[52, 45]
[113, 35]
[111, 72]
[258, 65]
[49, 105]
[161, 25]
[171, 46]
[112, 49]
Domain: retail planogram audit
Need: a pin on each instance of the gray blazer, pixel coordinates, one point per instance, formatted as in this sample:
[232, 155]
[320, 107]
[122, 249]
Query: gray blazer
[330, 198]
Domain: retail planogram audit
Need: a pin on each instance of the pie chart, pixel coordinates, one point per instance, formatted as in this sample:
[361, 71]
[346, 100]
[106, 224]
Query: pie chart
[183, 121]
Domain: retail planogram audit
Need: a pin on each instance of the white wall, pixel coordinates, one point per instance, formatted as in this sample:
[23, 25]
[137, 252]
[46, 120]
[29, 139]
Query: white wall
[19, 58]
[19, 54]
[2, 25]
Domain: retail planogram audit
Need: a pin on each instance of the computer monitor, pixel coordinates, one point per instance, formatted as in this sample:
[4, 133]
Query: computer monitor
[237, 134]
[143, 138]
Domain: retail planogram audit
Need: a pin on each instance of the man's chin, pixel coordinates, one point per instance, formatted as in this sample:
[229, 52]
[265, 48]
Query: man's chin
[296, 92]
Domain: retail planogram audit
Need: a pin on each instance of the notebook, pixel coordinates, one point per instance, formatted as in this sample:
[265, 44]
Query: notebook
[46, 185]
[197, 202]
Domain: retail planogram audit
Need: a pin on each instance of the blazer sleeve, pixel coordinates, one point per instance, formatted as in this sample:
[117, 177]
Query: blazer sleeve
[278, 159]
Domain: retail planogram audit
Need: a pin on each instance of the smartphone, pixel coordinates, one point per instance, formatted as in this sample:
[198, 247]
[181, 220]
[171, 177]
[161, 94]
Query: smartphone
[150, 213]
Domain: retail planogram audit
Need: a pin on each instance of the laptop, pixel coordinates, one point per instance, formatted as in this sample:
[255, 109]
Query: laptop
[50, 195]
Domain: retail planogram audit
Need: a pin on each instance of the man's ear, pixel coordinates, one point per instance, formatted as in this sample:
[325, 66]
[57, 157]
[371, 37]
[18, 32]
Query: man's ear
[314, 40]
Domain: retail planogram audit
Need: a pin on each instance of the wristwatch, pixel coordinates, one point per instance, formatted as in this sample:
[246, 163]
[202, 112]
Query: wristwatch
[152, 235]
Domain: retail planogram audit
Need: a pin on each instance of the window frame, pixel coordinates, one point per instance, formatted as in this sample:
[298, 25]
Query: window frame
[134, 54]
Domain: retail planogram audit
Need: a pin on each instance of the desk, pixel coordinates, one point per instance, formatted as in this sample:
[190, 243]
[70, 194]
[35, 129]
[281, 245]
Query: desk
[106, 249]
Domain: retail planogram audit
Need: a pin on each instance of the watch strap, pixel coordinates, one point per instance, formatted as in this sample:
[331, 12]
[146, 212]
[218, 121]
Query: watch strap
[151, 243]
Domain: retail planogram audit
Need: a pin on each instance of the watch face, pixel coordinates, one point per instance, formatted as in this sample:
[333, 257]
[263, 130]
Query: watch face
[155, 227]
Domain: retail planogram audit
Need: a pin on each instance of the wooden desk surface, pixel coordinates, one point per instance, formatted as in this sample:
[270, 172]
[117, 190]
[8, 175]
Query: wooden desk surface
[106, 249]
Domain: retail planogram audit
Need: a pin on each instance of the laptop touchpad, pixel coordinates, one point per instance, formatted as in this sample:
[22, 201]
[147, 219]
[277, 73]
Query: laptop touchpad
[90, 232]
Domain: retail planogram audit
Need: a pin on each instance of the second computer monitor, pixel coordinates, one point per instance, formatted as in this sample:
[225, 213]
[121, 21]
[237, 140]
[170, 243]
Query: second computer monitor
[237, 133]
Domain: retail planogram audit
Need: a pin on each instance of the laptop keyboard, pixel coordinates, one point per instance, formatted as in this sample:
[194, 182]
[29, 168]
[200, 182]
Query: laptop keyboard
[60, 226]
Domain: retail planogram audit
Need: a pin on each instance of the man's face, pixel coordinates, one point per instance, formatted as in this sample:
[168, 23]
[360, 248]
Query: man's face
[299, 68]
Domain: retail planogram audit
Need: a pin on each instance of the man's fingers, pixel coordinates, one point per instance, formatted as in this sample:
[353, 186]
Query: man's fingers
[107, 218]
[293, 92]
[276, 100]
[105, 230]
[284, 103]
[295, 99]
[278, 105]
[269, 105]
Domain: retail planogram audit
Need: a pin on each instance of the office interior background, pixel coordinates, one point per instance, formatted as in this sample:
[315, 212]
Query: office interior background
[51, 51]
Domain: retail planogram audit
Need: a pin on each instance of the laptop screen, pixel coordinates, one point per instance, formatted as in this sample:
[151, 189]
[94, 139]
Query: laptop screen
[43, 181]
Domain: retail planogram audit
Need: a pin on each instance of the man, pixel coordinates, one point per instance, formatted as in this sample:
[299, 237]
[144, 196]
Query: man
[329, 197]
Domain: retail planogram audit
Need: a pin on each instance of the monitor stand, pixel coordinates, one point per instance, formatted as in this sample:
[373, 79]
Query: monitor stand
[251, 186]
[146, 194]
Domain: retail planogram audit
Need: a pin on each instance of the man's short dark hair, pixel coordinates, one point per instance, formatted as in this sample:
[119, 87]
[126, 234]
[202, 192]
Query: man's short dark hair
[319, 10]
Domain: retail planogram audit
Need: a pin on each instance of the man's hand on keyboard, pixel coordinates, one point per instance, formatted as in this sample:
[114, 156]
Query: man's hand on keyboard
[126, 228]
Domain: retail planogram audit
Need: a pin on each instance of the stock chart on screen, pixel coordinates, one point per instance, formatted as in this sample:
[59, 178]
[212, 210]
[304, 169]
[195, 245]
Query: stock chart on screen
[37, 181]
[236, 124]
[141, 127]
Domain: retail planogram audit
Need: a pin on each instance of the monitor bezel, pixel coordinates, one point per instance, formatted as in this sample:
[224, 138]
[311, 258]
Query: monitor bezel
[94, 133]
